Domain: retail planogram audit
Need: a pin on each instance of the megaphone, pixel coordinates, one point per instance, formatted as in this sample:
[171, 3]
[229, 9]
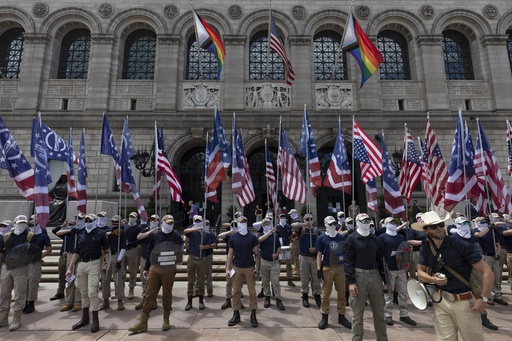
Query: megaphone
[419, 293]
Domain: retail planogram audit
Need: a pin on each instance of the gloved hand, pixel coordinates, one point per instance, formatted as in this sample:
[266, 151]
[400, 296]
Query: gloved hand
[118, 265]
[319, 274]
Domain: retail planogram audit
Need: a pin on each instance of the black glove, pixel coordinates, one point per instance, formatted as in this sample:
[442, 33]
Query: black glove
[118, 265]
[319, 274]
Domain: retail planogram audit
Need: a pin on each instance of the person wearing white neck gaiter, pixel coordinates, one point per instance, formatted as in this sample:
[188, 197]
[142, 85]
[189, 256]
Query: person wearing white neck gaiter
[132, 251]
[196, 264]
[363, 224]
[390, 225]
[6, 226]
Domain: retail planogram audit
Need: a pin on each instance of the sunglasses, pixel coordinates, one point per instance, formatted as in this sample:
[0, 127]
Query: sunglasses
[366, 221]
[435, 226]
[308, 219]
[88, 220]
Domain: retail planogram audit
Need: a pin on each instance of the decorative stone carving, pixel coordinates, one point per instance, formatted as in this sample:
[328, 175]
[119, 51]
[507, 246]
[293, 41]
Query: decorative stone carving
[67, 87]
[9, 87]
[40, 9]
[234, 39]
[76, 104]
[103, 39]
[480, 104]
[389, 105]
[456, 104]
[363, 12]
[7, 103]
[402, 89]
[494, 39]
[105, 10]
[235, 11]
[52, 104]
[121, 104]
[490, 11]
[135, 88]
[429, 40]
[412, 104]
[333, 96]
[468, 88]
[36, 38]
[299, 12]
[427, 12]
[300, 40]
[267, 95]
[200, 95]
[144, 104]
[171, 11]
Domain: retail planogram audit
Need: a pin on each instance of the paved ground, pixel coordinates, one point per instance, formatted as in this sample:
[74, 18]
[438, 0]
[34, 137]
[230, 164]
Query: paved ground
[296, 323]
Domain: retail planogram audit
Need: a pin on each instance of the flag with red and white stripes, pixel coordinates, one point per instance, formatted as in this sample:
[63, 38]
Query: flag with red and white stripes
[276, 45]
[163, 166]
[241, 181]
[424, 168]
[219, 157]
[410, 172]
[42, 175]
[509, 147]
[371, 195]
[81, 186]
[392, 196]
[308, 149]
[437, 171]
[338, 175]
[368, 155]
[271, 177]
[70, 169]
[210, 193]
[294, 187]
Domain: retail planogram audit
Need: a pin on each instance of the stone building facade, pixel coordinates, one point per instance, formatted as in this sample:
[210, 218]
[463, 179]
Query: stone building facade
[138, 60]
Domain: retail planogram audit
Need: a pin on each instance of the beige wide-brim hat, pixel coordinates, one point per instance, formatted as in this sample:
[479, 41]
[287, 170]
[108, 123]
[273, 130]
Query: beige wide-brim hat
[429, 218]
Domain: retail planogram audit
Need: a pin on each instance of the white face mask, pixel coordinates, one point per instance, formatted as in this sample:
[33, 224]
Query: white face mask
[80, 224]
[242, 228]
[167, 228]
[266, 228]
[464, 231]
[6, 229]
[19, 228]
[482, 226]
[102, 221]
[153, 224]
[330, 230]
[91, 226]
[132, 221]
[341, 220]
[206, 228]
[363, 229]
[294, 215]
[391, 229]
[199, 224]
[282, 221]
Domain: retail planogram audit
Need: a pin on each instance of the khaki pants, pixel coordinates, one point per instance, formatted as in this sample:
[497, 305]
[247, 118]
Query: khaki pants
[334, 274]
[456, 317]
[398, 283]
[142, 264]
[413, 265]
[229, 285]
[289, 272]
[34, 277]
[270, 274]
[241, 275]
[72, 292]
[196, 269]
[113, 274]
[308, 274]
[87, 279]
[159, 276]
[509, 267]
[295, 255]
[369, 286]
[16, 279]
[494, 264]
[131, 258]
[503, 261]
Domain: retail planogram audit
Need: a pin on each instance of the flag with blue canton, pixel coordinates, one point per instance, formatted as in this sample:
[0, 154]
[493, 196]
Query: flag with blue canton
[338, 174]
[81, 187]
[219, 138]
[307, 141]
[437, 172]
[293, 184]
[371, 195]
[42, 176]
[55, 145]
[392, 196]
[127, 139]
[241, 179]
[70, 168]
[367, 153]
[410, 170]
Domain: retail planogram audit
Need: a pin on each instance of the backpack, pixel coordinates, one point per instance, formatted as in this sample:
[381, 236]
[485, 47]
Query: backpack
[30, 235]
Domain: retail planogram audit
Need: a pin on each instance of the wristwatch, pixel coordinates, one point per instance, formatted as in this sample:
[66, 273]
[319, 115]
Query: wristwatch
[485, 299]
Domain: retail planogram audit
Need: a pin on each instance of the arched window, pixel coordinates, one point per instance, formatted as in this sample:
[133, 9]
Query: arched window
[74, 55]
[11, 52]
[258, 59]
[209, 62]
[457, 56]
[325, 49]
[509, 47]
[139, 55]
[393, 47]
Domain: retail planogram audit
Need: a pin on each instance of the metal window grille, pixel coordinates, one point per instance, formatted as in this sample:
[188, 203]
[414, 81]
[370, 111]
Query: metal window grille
[393, 47]
[74, 55]
[139, 55]
[11, 53]
[209, 62]
[457, 56]
[325, 47]
[258, 59]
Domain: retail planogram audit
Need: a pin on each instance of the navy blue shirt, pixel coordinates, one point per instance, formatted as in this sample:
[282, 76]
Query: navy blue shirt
[284, 232]
[211, 238]
[90, 245]
[472, 240]
[131, 235]
[308, 239]
[363, 253]
[69, 239]
[13, 241]
[242, 246]
[508, 242]
[269, 246]
[327, 245]
[196, 238]
[144, 243]
[488, 243]
[391, 243]
[42, 240]
[412, 234]
[459, 255]
[117, 241]
[160, 237]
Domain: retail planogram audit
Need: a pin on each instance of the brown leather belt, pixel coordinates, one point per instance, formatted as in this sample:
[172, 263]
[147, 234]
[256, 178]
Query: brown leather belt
[458, 297]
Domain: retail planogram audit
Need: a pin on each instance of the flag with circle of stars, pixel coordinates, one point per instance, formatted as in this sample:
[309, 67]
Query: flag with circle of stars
[81, 186]
[392, 196]
[219, 139]
[55, 145]
[42, 175]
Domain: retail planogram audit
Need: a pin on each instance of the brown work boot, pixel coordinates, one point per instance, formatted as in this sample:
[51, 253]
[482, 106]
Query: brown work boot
[66, 307]
[120, 305]
[141, 326]
[131, 295]
[105, 304]
[77, 307]
[139, 306]
[226, 304]
[166, 325]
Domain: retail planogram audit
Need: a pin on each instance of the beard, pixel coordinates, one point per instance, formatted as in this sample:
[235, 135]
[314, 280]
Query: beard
[437, 235]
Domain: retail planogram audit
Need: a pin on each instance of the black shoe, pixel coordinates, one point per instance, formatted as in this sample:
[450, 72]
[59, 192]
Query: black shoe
[429, 303]
[291, 284]
[201, 303]
[280, 305]
[235, 319]
[344, 322]
[189, 303]
[323, 322]
[267, 302]
[57, 297]
[500, 301]
[305, 301]
[408, 320]
[254, 321]
[318, 300]
[29, 308]
[488, 324]
[389, 321]
[83, 321]
[261, 294]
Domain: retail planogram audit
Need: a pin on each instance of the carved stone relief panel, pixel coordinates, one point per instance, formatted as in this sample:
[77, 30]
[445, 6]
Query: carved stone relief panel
[145, 104]
[413, 104]
[427, 12]
[76, 104]
[408, 88]
[200, 95]
[8, 87]
[468, 88]
[235, 12]
[334, 96]
[7, 103]
[480, 104]
[456, 104]
[40, 9]
[389, 104]
[267, 95]
[135, 88]
[52, 103]
[171, 11]
[121, 104]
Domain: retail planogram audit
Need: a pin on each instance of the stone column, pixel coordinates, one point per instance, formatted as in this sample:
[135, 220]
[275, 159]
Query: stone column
[166, 72]
[498, 70]
[100, 71]
[31, 75]
[302, 89]
[233, 97]
[434, 78]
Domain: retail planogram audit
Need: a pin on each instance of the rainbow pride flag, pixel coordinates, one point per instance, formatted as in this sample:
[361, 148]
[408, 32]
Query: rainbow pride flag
[358, 45]
[209, 40]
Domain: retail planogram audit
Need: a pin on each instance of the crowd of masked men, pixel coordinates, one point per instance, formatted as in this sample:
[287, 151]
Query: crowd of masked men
[98, 253]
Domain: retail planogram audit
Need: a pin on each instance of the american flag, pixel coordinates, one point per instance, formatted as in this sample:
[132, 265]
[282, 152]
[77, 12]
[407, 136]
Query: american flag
[12, 159]
[164, 166]
[271, 178]
[368, 155]
[411, 167]
[219, 157]
[437, 172]
[371, 195]
[308, 149]
[55, 145]
[294, 187]
[489, 173]
[458, 186]
[276, 45]
[241, 181]
[392, 196]
[70, 168]
[338, 175]
[509, 147]
[211, 193]
[127, 151]
[42, 174]
[81, 204]
[424, 168]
